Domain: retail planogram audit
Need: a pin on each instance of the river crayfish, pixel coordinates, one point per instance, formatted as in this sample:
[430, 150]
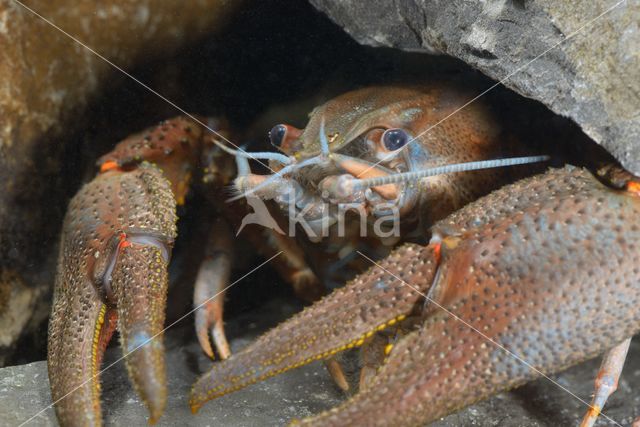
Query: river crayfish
[457, 288]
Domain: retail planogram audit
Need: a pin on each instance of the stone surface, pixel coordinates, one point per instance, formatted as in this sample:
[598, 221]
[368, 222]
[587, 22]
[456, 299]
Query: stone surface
[17, 303]
[46, 79]
[589, 72]
[24, 390]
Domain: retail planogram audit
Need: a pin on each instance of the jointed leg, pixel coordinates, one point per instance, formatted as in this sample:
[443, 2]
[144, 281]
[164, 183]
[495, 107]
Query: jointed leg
[213, 278]
[606, 381]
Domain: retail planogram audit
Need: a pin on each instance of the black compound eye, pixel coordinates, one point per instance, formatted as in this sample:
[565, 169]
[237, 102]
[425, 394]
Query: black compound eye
[394, 139]
[277, 134]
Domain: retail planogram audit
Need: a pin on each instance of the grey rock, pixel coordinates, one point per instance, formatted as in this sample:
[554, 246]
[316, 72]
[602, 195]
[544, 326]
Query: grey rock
[564, 54]
[24, 390]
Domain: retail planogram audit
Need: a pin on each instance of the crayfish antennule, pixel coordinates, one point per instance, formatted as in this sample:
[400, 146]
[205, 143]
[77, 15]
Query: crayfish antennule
[256, 155]
[242, 164]
[324, 142]
[246, 184]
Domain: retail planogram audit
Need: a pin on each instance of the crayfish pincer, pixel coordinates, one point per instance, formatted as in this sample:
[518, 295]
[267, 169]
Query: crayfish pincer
[531, 279]
[112, 270]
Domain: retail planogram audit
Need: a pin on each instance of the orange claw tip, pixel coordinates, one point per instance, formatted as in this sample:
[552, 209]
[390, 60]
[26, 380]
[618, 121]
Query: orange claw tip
[591, 416]
[109, 165]
[202, 332]
[155, 405]
[195, 403]
[634, 187]
[194, 408]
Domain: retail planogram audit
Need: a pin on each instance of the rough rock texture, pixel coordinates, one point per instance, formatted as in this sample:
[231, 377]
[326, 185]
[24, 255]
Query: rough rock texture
[45, 81]
[592, 77]
[17, 303]
[24, 390]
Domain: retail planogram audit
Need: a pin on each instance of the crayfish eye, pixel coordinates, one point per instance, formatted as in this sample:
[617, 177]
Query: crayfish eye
[395, 139]
[277, 135]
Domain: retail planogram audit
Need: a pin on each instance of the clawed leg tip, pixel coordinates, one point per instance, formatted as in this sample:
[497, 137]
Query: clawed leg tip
[203, 334]
[194, 403]
[210, 329]
[591, 416]
[155, 412]
[206, 349]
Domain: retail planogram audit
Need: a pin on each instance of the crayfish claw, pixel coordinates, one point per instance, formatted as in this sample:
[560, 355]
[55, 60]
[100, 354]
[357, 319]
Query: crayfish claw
[506, 263]
[77, 340]
[112, 272]
[209, 291]
[340, 321]
[208, 321]
[139, 284]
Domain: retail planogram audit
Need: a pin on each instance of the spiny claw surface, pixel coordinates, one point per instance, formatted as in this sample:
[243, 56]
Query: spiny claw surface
[339, 321]
[531, 279]
[139, 282]
[536, 301]
[115, 247]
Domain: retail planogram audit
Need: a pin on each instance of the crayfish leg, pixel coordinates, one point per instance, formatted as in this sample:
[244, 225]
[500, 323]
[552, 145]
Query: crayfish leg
[334, 367]
[209, 291]
[606, 381]
[372, 355]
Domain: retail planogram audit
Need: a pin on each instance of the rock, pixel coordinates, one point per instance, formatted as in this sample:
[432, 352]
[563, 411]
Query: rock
[17, 302]
[24, 390]
[46, 79]
[591, 72]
